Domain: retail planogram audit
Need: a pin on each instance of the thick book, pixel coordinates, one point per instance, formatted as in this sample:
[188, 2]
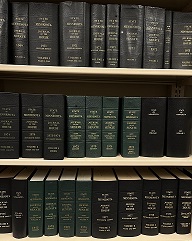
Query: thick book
[75, 126]
[93, 126]
[154, 31]
[32, 125]
[131, 36]
[20, 33]
[130, 126]
[112, 36]
[36, 203]
[179, 122]
[51, 202]
[181, 43]
[66, 191]
[184, 200]
[168, 200]
[110, 125]
[129, 202]
[74, 33]
[104, 203]
[43, 34]
[168, 39]
[98, 35]
[53, 121]
[5, 198]
[153, 121]
[19, 196]
[151, 201]
[4, 16]
[9, 125]
[83, 202]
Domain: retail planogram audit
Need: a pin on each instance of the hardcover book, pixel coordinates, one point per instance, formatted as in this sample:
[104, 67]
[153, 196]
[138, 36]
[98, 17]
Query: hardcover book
[4, 15]
[168, 39]
[74, 33]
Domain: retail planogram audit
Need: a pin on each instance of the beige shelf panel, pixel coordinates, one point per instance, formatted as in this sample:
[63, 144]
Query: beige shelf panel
[102, 161]
[160, 237]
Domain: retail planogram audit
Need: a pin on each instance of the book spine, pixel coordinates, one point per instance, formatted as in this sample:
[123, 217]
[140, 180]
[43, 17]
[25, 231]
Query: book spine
[179, 122]
[131, 36]
[53, 111]
[9, 125]
[20, 33]
[43, 34]
[112, 36]
[151, 207]
[74, 33]
[129, 208]
[110, 126]
[51, 208]
[130, 130]
[98, 22]
[35, 208]
[4, 32]
[104, 209]
[168, 39]
[19, 208]
[83, 208]
[154, 27]
[93, 126]
[5, 206]
[66, 208]
[181, 44]
[153, 117]
[32, 126]
[75, 126]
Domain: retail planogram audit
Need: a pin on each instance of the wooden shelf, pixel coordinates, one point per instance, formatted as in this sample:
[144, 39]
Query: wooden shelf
[102, 161]
[160, 237]
[58, 73]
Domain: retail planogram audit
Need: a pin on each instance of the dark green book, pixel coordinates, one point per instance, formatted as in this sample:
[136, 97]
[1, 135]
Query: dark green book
[93, 126]
[75, 126]
[130, 129]
[36, 203]
[67, 202]
[110, 126]
[51, 203]
[83, 202]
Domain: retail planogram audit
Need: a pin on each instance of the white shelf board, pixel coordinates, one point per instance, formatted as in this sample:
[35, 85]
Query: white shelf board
[101, 161]
[159, 237]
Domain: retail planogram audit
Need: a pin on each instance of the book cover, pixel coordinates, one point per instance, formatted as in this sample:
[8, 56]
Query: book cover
[4, 16]
[168, 39]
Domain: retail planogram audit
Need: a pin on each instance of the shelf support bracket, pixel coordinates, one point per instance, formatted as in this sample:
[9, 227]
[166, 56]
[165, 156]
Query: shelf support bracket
[177, 90]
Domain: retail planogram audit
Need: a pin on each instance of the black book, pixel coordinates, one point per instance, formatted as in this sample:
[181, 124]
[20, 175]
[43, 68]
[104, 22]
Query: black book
[184, 202]
[168, 200]
[32, 125]
[112, 36]
[131, 36]
[75, 126]
[4, 32]
[43, 34]
[19, 202]
[9, 125]
[179, 122]
[130, 202]
[98, 35]
[104, 203]
[181, 45]
[154, 31]
[151, 201]
[168, 39]
[5, 197]
[153, 120]
[74, 33]
[53, 112]
[20, 33]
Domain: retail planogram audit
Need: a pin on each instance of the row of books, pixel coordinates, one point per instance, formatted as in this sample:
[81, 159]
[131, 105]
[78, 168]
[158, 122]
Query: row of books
[96, 35]
[53, 126]
[101, 202]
